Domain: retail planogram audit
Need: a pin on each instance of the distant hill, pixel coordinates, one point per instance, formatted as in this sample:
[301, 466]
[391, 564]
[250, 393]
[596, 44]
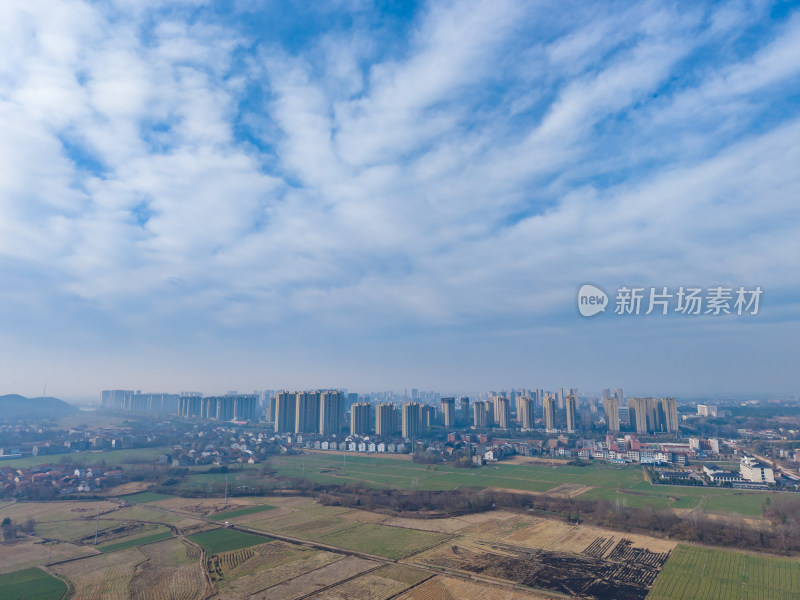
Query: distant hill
[14, 406]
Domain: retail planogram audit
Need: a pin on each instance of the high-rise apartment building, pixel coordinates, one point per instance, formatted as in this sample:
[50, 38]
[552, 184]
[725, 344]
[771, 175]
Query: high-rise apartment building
[549, 409]
[285, 412]
[411, 420]
[427, 418]
[526, 412]
[503, 412]
[572, 412]
[360, 414]
[331, 403]
[480, 415]
[611, 408]
[448, 412]
[385, 419]
[653, 415]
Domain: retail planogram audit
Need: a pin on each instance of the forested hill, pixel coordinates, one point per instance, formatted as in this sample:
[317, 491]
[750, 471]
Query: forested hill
[14, 406]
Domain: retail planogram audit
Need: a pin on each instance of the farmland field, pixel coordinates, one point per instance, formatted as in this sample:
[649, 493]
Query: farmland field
[31, 584]
[330, 525]
[147, 537]
[169, 572]
[239, 574]
[389, 542]
[31, 552]
[143, 497]
[317, 579]
[694, 573]
[103, 576]
[554, 556]
[625, 484]
[112, 458]
[450, 588]
[377, 585]
[232, 514]
[154, 515]
[223, 540]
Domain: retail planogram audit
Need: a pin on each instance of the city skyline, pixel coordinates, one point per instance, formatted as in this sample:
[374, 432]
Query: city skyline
[227, 195]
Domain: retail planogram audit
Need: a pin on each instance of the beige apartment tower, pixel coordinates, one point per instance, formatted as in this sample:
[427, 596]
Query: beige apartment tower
[526, 416]
[412, 420]
[572, 412]
[385, 419]
[359, 418]
[611, 408]
[549, 409]
[448, 412]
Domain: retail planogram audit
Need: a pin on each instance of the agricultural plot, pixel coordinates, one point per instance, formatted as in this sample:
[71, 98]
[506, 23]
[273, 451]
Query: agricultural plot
[23, 554]
[55, 511]
[148, 514]
[31, 584]
[148, 536]
[554, 556]
[224, 540]
[381, 584]
[381, 540]
[102, 577]
[168, 573]
[450, 588]
[694, 573]
[240, 574]
[82, 531]
[616, 483]
[449, 525]
[113, 458]
[144, 497]
[330, 525]
[241, 512]
[627, 577]
[317, 579]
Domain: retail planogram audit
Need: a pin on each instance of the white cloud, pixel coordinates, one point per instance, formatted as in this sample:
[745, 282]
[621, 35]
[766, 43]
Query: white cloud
[469, 179]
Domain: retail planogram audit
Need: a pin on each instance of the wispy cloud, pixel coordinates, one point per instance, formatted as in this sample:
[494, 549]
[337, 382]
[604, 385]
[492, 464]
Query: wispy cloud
[168, 168]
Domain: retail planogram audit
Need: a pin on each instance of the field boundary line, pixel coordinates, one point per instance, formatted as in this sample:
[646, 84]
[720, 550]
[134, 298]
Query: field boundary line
[412, 586]
[558, 539]
[333, 585]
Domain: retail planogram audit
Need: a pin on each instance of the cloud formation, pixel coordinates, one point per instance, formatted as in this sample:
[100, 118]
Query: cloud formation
[182, 174]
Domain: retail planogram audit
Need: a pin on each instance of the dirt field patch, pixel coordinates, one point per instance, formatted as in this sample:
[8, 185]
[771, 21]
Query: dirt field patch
[449, 525]
[540, 534]
[168, 573]
[569, 490]
[316, 580]
[450, 588]
[377, 585]
[31, 552]
[269, 565]
[102, 577]
[626, 574]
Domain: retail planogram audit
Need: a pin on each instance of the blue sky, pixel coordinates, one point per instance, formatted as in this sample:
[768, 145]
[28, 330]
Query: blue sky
[242, 195]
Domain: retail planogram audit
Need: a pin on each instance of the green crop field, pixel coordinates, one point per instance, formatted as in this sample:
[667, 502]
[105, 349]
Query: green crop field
[31, 584]
[222, 540]
[144, 497]
[693, 573]
[624, 484]
[111, 458]
[382, 540]
[224, 516]
[135, 541]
